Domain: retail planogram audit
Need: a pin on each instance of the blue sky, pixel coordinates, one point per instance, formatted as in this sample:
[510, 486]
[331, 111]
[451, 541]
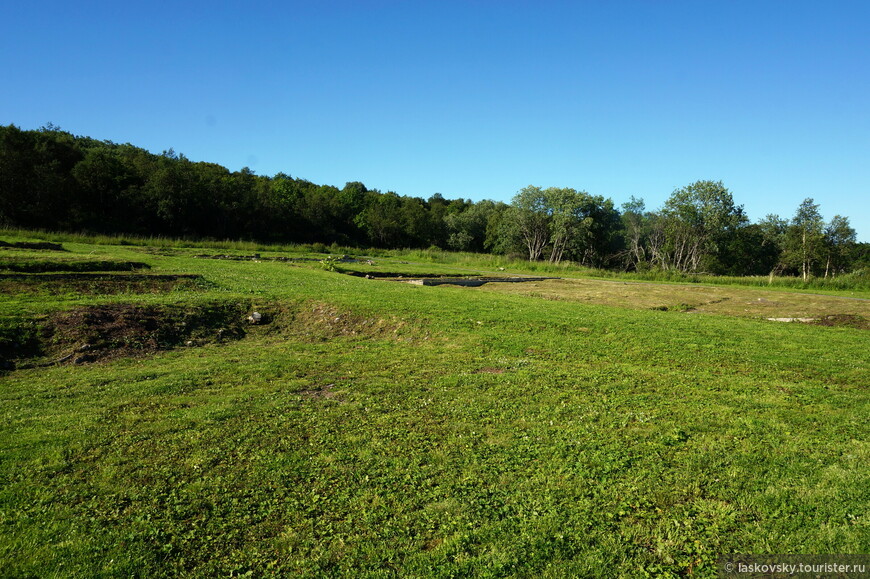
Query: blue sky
[472, 99]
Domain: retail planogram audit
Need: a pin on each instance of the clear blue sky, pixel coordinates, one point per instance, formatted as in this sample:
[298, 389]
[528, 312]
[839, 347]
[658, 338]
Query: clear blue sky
[472, 99]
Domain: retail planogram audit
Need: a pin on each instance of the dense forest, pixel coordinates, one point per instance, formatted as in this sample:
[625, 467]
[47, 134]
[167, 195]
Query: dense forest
[53, 180]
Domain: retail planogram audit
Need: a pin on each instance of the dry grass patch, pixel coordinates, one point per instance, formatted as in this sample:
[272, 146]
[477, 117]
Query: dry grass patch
[322, 321]
[723, 300]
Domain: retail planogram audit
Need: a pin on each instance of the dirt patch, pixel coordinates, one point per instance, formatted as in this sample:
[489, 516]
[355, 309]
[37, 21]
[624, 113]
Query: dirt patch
[844, 320]
[96, 283]
[93, 333]
[320, 392]
[105, 332]
[490, 371]
[40, 245]
[681, 307]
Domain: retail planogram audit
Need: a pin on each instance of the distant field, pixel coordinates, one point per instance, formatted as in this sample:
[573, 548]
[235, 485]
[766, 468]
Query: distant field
[153, 426]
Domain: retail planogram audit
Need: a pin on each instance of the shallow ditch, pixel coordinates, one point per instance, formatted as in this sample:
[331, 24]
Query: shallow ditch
[97, 333]
[258, 257]
[431, 279]
[39, 245]
[46, 266]
[90, 283]
[101, 332]
[474, 281]
[402, 276]
[465, 281]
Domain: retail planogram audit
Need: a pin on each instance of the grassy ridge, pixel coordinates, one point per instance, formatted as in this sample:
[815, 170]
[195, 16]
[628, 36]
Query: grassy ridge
[382, 429]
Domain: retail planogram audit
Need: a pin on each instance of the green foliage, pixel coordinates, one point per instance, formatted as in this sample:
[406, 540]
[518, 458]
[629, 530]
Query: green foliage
[55, 181]
[565, 222]
[330, 263]
[529, 216]
[697, 224]
[839, 239]
[469, 225]
[804, 239]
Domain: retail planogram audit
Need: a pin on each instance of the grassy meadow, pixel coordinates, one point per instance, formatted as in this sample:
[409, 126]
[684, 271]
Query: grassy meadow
[573, 427]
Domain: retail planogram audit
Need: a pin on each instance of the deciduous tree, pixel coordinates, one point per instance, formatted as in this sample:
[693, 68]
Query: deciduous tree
[805, 238]
[839, 239]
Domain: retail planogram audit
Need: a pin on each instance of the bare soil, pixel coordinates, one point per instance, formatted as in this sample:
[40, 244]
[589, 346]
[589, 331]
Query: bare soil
[850, 321]
[320, 392]
[92, 333]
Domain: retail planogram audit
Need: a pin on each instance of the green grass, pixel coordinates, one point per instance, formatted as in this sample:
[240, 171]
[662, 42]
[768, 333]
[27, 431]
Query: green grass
[378, 429]
[14, 235]
[858, 283]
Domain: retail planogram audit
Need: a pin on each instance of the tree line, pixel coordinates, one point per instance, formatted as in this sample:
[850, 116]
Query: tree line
[51, 179]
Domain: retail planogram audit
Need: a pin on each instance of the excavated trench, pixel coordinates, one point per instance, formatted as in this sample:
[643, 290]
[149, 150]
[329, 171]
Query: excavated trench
[91, 283]
[68, 266]
[471, 281]
[102, 332]
[436, 279]
[105, 332]
[38, 245]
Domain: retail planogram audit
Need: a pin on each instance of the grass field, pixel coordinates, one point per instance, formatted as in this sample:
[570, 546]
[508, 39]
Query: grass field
[369, 428]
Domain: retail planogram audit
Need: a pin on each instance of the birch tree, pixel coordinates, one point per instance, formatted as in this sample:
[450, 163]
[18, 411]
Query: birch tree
[805, 238]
